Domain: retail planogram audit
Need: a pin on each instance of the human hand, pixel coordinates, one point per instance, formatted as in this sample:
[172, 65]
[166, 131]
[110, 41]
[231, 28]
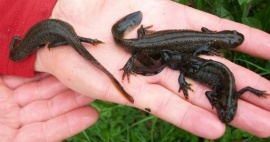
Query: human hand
[94, 19]
[41, 109]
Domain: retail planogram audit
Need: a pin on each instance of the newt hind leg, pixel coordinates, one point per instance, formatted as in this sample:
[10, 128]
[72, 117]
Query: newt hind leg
[90, 41]
[256, 92]
[212, 97]
[142, 31]
[82, 39]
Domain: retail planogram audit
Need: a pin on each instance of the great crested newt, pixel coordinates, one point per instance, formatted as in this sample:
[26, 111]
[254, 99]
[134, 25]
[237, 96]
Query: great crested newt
[56, 33]
[216, 75]
[150, 43]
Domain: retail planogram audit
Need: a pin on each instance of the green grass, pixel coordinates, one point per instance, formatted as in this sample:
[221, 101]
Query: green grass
[118, 123]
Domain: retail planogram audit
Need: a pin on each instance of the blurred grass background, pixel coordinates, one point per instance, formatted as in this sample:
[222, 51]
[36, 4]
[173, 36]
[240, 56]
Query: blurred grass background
[118, 123]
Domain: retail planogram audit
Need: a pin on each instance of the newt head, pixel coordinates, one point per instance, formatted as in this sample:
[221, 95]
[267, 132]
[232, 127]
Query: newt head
[232, 39]
[226, 109]
[236, 39]
[16, 55]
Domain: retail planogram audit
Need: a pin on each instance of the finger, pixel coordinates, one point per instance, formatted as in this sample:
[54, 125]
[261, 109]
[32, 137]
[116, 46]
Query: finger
[8, 111]
[170, 107]
[43, 89]
[16, 81]
[252, 119]
[59, 128]
[43, 110]
[7, 133]
[256, 43]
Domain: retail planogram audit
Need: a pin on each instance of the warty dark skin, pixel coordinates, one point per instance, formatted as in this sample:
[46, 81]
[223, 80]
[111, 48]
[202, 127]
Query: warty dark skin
[217, 76]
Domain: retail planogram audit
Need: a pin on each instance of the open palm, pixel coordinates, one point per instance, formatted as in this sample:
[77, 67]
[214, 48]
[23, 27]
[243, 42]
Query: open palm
[41, 109]
[95, 18]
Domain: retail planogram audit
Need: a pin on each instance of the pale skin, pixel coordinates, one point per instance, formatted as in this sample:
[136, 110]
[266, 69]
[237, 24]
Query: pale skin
[94, 19]
[41, 109]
